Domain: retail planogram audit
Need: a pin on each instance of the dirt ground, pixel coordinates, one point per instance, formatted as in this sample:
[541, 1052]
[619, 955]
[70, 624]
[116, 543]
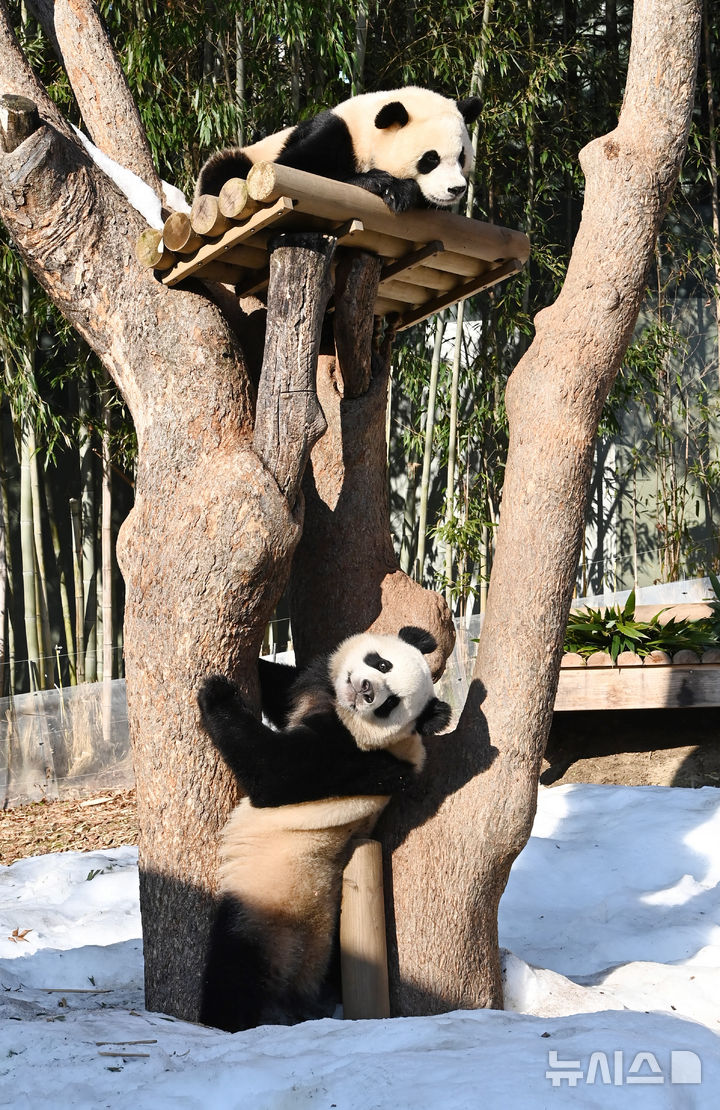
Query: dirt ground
[100, 821]
[635, 748]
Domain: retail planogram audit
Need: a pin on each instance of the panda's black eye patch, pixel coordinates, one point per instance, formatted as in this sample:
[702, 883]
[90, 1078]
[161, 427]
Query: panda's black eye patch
[387, 706]
[374, 659]
[461, 159]
[429, 161]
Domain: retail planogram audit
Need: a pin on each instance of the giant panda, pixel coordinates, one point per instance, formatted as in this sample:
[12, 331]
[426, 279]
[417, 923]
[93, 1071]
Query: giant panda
[409, 146]
[350, 735]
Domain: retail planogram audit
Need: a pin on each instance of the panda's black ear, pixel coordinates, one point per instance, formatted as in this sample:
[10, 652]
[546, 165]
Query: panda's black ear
[434, 717]
[392, 113]
[419, 638]
[470, 109]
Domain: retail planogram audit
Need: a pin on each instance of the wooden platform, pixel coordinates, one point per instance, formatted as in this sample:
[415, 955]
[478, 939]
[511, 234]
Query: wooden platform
[432, 259]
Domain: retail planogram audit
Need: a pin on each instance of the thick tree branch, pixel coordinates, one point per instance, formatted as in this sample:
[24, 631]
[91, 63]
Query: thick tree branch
[77, 232]
[17, 77]
[80, 39]
[345, 575]
[554, 401]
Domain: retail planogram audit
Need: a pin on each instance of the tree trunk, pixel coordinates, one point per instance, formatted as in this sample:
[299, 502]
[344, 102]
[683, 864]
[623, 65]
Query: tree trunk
[206, 550]
[457, 835]
[345, 576]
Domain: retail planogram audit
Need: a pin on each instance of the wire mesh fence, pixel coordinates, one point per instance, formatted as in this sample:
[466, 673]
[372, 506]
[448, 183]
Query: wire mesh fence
[64, 742]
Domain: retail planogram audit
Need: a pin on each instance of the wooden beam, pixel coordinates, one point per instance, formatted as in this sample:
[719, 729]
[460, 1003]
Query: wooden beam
[460, 292]
[363, 947]
[214, 251]
[335, 200]
[677, 686]
[411, 258]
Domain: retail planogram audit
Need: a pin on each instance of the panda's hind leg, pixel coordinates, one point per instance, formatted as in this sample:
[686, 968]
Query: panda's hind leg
[236, 973]
[219, 168]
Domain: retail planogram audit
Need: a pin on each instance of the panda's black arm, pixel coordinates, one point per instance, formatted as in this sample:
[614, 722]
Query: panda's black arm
[323, 145]
[233, 729]
[276, 680]
[304, 764]
[399, 193]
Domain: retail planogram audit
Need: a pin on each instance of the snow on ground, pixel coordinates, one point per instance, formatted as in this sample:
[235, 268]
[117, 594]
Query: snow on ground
[611, 919]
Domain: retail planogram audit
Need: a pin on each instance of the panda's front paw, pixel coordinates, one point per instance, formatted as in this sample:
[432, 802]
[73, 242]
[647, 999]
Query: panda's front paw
[215, 691]
[401, 194]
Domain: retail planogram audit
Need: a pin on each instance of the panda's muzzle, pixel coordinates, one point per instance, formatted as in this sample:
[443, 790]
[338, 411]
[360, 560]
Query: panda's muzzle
[359, 692]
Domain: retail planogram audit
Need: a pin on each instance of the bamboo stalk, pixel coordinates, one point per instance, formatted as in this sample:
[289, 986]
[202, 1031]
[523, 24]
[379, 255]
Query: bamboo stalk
[476, 88]
[713, 170]
[27, 550]
[107, 568]
[46, 656]
[62, 579]
[9, 581]
[87, 506]
[427, 452]
[75, 521]
[3, 598]
[363, 948]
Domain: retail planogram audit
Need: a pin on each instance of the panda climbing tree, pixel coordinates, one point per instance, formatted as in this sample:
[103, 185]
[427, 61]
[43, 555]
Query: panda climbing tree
[218, 512]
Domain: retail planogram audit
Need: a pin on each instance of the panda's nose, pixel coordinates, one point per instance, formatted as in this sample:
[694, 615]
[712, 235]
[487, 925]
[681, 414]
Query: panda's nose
[362, 688]
[457, 190]
[367, 691]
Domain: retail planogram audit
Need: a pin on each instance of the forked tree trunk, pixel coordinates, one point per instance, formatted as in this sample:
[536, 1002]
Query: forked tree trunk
[207, 549]
[345, 575]
[453, 851]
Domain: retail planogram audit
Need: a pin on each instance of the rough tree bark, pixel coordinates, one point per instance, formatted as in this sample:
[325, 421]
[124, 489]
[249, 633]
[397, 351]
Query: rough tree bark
[345, 574]
[206, 551]
[454, 850]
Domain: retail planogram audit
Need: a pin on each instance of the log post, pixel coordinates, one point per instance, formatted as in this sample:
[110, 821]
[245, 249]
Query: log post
[18, 120]
[363, 948]
[288, 417]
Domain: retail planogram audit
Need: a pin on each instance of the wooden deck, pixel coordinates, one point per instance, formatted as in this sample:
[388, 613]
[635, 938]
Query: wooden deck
[432, 259]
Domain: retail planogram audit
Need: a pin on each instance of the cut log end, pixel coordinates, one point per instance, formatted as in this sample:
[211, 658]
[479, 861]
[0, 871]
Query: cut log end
[150, 252]
[206, 217]
[262, 181]
[19, 118]
[178, 234]
[234, 202]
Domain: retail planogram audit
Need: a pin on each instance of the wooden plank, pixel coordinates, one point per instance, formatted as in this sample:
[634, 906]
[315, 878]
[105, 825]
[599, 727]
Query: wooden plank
[460, 292]
[413, 295]
[254, 279]
[411, 258]
[263, 218]
[337, 200]
[677, 686]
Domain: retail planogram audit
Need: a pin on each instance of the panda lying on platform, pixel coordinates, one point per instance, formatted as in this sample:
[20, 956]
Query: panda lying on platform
[409, 146]
[351, 735]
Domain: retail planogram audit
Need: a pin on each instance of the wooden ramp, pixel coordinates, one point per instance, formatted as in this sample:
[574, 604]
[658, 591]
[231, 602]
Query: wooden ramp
[432, 258]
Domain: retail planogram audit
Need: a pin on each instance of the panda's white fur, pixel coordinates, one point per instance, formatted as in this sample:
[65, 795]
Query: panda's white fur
[409, 146]
[352, 736]
[360, 688]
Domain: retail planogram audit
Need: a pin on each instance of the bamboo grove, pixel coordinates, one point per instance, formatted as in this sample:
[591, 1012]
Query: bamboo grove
[550, 77]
